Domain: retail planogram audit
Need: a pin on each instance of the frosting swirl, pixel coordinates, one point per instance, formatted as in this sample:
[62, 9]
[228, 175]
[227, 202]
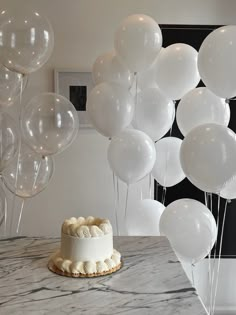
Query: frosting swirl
[86, 227]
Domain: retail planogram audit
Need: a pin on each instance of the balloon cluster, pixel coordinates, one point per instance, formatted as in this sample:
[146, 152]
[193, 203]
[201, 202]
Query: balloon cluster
[47, 124]
[133, 103]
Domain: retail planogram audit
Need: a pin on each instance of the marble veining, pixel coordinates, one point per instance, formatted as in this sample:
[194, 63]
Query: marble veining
[151, 281]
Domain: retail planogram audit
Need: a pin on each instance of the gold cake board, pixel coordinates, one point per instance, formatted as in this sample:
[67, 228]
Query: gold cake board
[54, 269]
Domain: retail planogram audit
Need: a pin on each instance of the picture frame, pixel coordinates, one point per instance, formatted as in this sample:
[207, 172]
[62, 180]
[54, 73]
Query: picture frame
[75, 86]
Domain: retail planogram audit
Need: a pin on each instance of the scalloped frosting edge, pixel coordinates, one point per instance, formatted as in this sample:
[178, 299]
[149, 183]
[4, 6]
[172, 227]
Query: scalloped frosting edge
[86, 267]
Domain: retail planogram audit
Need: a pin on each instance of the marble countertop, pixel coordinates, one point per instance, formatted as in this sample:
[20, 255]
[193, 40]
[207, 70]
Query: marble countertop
[151, 281]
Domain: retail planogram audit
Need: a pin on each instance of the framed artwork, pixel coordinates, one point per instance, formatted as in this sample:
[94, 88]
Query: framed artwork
[75, 86]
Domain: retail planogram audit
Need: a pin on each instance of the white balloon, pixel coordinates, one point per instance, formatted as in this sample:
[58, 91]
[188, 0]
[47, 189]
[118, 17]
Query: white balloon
[190, 228]
[177, 71]
[108, 68]
[138, 41]
[110, 108]
[229, 189]
[217, 63]
[200, 106]
[144, 218]
[131, 155]
[154, 113]
[208, 155]
[147, 78]
[167, 169]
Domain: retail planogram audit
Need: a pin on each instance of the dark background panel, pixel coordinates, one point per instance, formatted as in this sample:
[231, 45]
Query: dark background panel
[78, 97]
[194, 36]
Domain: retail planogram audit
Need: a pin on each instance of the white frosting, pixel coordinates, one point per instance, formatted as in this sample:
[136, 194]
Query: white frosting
[86, 227]
[87, 267]
[86, 249]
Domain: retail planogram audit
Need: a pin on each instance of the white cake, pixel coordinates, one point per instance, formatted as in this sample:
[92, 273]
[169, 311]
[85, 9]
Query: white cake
[86, 248]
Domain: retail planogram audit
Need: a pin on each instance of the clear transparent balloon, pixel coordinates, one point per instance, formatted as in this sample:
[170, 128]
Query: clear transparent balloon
[49, 123]
[9, 140]
[29, 174]
[26, 40]
[12, 85]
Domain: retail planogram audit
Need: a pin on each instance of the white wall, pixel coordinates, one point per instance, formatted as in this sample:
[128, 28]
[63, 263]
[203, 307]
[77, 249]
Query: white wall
[82, 183]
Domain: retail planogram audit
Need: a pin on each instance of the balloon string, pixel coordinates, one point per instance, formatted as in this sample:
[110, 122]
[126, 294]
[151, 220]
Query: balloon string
[1, 221]
[5, 214]
[206, 199]
[18, 160]
[173, 119]
[164, 195]
[208, 258]
[220, 251]
[126, 207]
[22, 205]
[117, 201]
[115, 207]
[209, 202]
[20, 216]
[157, 192]
[1, 144]
[5, 217]
[215, 249]
[136, 88]
[150, 186]
[217, 225]
[192, 269]
[166, 162]
[210, 196]
[36, 176]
